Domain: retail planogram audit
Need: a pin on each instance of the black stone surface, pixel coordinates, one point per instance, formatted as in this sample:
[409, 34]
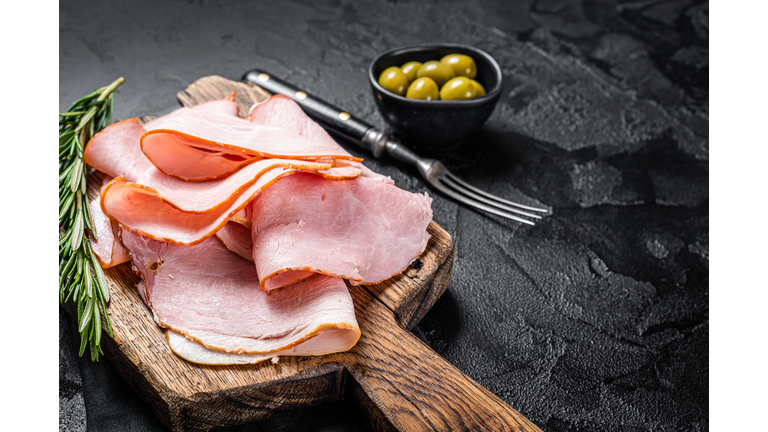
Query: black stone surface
[597, 318]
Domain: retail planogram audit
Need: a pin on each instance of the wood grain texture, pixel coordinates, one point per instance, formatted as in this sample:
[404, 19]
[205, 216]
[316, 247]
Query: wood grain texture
[394, 380]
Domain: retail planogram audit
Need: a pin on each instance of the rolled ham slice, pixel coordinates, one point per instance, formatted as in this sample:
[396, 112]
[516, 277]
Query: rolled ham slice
[211, 296]
[197, 145]
[364, 230]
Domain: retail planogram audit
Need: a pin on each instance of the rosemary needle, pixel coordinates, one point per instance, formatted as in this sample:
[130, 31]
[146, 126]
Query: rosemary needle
[81, 279]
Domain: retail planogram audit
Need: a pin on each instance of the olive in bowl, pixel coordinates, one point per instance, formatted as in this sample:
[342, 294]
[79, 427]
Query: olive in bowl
[394, 80]
[423, 88]
[439, 72]
[410, 69]
[433, 123]
[461, 64]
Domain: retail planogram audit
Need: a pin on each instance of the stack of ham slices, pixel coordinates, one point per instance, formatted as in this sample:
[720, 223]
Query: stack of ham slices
[243, 230]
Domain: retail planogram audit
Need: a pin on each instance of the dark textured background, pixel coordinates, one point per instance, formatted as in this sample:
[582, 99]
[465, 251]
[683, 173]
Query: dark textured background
[597, 318]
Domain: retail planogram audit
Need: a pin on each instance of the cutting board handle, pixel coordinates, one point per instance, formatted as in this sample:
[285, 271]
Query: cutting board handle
[413, 388]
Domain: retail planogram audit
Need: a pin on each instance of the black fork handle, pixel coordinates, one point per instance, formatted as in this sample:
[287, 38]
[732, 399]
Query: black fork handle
[332, 117]
[316, 108]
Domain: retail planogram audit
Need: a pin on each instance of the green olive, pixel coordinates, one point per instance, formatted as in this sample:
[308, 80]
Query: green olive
[458, 88]
[423, 88]
[410, 68]
[394, 80]
[437, 71]
[462, 65]
[478, 87]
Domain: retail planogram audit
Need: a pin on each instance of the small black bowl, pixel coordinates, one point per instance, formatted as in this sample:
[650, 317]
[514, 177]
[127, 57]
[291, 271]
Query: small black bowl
[436, 123]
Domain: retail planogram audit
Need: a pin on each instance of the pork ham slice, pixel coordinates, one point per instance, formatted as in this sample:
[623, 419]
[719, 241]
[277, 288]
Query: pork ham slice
[187, 213]
[204, 197]
[237, 238]
[107, 246]
[364, 230]
[115, 150]
[282, 112]
[243, 217]
[281, 270]
[328, 341]
[224, 106]
[147, 201]
[197, 145]
[211, 296]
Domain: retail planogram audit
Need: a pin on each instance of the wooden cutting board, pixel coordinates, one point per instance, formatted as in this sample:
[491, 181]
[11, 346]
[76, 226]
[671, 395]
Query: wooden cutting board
[394, 381]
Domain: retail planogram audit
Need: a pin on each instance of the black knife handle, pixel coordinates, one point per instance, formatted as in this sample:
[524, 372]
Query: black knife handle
[318, 109]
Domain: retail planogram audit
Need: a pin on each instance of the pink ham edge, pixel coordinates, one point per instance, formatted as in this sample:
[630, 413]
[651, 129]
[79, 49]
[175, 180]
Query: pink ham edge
[116, 150]
[365, 231]
[142, 209]
[108, 248]
[243, 217]
[119, 252]
[187, 144]
[327, 342]
[211, 296]
[208, 196]
[282, 112]
[237, 238]
[223, 106]
[212, 201]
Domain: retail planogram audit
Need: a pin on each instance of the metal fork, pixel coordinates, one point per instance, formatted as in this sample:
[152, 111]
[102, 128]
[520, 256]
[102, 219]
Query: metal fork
[379, 143]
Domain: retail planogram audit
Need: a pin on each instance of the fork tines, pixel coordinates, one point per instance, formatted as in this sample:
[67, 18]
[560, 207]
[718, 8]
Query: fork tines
[464, 192]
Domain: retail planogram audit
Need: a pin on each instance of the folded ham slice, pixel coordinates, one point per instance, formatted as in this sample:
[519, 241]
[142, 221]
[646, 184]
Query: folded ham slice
[197, 145]
[282, 112]
[168, 209]
[147, 201]
[326, 342]
[211, 296]
[115, 150]
[276, 189]
[204, 197]
[225, 106]
[243, 217]
[237, 238]
[108, 248]
[362, 230]
[322, 234]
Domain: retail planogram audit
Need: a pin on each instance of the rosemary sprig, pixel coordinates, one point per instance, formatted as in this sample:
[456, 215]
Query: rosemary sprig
[81, 278]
